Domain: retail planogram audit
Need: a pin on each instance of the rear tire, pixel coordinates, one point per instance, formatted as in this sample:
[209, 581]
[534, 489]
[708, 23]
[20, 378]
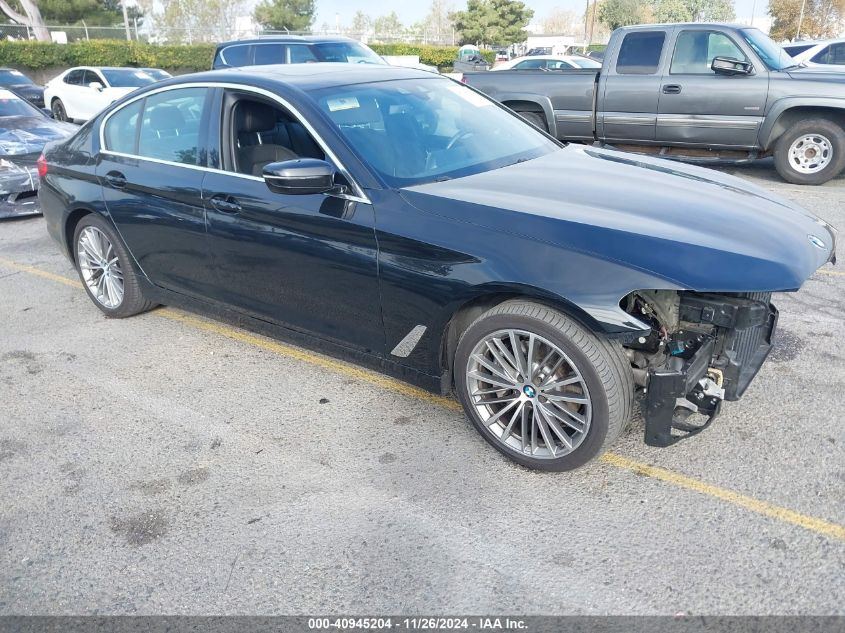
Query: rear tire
[536, 119]
[574, 382]
[105, 269]
[58, 110]
[811, 152]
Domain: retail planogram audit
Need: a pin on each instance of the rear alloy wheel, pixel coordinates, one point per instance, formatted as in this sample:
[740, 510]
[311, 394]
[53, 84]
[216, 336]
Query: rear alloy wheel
[540, 387]
[58, 110]
[106, 270]
[811, 152]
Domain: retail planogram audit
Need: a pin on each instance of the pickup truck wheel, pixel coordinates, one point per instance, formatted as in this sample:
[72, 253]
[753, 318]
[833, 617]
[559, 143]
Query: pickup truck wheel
[536, 119]
[540, 387]
[811, 152]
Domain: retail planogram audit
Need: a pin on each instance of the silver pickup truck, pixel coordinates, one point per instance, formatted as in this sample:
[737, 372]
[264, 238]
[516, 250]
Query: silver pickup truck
[695, 92]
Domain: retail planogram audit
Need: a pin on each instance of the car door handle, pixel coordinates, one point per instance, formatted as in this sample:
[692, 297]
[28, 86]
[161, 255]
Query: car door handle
[671, 89]
[225, 204]
[116, 179]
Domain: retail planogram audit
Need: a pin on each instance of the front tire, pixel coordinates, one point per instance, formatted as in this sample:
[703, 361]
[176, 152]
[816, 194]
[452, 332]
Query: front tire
[541, 387]
[811, 152]
[105, 269]
[58, 110]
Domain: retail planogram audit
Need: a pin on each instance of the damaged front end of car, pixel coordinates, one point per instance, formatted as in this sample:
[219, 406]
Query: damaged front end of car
[21, 143]
[702, 349]
[19, 186]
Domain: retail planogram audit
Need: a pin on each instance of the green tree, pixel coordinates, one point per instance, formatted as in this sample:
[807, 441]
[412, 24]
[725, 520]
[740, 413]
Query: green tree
[26, 12]
[361, 23]
[694, 10]
[388, 25]
[616, 13]
[486, 22]
[198, 20]
[821, 19]
[292, 15]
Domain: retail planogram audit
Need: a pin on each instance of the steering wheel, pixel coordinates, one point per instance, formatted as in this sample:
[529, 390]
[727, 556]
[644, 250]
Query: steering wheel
[457, 137]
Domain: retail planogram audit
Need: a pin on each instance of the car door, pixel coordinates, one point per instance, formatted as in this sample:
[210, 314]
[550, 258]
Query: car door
[630, 88]
[700, 107]
[71, 93]
[308, 262]
[93, 100]
[151, 169]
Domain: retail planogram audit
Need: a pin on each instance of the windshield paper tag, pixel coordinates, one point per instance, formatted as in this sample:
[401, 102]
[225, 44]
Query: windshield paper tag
[343, 103]
[470, 96]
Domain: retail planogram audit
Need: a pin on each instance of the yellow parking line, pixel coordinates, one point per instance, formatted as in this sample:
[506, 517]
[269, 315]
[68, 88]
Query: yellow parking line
[743, 501]
[838, 273]
[763, 508]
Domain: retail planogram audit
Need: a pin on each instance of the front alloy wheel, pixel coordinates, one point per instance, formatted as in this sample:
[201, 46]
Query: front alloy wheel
[541, 387]
[529, 394]
[811, 152]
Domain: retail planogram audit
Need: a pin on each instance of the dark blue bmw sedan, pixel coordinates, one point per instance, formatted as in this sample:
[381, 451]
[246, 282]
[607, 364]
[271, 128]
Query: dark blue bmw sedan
[409, 223]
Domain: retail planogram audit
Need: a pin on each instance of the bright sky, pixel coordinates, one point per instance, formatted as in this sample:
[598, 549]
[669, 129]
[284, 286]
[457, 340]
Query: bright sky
[410, 12]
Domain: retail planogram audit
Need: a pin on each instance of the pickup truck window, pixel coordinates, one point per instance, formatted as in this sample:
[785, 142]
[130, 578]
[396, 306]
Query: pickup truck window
[640, 53]
[695, 50]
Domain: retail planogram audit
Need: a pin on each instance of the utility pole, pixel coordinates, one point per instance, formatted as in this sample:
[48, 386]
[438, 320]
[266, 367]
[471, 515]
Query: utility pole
[126, 20]
[586, 24]
[800, 20]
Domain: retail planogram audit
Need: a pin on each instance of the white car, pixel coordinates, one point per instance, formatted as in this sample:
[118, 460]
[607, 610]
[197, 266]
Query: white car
[80, 93]
[822, 55]
[548, 62]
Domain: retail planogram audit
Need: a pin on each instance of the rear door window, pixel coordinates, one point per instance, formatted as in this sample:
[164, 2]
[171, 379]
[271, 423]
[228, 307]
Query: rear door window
[269, 54]
[301, 54]
[170, 129]
[833, 54]
[74, 77]
[640, 53]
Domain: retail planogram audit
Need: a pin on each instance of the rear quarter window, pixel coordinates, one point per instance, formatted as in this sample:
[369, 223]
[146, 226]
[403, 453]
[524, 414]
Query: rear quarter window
[269, 54]
[640, 53]
[237, 55]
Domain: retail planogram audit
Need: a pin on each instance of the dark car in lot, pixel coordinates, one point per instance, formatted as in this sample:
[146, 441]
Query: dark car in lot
[405, 221]
[23, 86]
[292, 49]
[24, 130]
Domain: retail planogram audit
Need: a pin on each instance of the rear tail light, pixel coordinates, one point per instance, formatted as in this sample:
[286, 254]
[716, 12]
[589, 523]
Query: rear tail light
[42, 166]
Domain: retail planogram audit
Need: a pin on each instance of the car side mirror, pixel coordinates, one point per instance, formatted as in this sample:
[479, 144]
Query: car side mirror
[96, 85]
[730, 66]
[303, 176]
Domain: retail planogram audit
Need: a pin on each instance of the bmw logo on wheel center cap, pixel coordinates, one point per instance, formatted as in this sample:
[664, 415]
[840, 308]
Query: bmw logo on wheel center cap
[529, 391]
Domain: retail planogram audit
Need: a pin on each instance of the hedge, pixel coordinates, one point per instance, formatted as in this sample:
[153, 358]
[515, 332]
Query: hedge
[35, 55]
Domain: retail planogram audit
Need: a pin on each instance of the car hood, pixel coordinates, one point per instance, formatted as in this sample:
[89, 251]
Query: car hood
[694, 227]
[819, 73]
[24, 135]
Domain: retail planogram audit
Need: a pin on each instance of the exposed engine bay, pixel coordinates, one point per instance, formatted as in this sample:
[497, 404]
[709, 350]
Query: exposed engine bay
[702, 349]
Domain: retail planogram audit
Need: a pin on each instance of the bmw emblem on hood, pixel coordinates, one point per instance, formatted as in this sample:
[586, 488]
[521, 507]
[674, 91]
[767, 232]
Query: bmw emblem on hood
[815, 241]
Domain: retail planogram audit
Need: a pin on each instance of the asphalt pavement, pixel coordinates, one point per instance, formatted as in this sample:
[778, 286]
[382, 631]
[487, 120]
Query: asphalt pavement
[169, 463]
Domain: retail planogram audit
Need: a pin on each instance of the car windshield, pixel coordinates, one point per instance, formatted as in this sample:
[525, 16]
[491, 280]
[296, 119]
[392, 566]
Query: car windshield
[13, 78]
[346, 52]
[583, 62]
[127, 77]
[772, 55]
[12, 105]
[415, 131]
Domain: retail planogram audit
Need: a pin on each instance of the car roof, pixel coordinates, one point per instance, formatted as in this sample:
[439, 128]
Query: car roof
[300, 39]
[700, 25]
[306, 76]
